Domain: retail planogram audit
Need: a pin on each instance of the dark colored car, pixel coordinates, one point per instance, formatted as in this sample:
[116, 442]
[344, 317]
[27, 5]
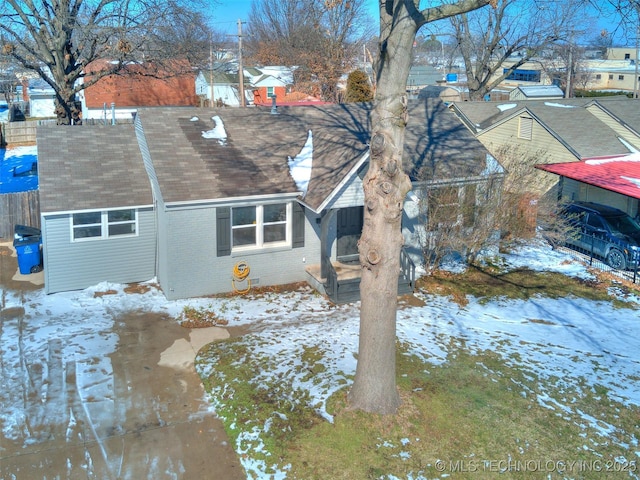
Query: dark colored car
[605, 232]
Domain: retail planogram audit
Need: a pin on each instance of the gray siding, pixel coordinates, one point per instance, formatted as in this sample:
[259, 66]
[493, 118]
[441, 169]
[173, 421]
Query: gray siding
[75, 266]
[350, 195]
[191, 267]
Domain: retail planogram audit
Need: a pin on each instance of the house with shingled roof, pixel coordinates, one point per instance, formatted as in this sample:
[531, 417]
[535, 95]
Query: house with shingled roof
[138, 85]
[569, 137]
[224, 86]
[209, 201]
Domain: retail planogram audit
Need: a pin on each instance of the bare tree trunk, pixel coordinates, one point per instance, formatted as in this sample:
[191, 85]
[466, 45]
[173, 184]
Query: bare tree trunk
[385, 187]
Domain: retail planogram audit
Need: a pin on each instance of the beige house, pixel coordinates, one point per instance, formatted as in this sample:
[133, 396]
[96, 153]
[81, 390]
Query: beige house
[609, 75]
[523, 134]
[622, 53]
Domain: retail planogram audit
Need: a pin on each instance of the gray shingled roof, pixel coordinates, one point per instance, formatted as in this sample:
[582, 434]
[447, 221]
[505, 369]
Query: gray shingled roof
[626, 112]
[90, 167]
[580, 129]
[568, 119]
[253, 160]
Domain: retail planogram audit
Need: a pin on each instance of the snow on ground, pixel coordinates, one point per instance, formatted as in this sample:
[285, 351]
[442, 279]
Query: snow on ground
[570, 339]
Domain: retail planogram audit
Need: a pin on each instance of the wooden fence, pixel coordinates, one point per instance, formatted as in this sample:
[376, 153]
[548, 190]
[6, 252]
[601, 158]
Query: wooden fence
[24, 133]
[19, 209]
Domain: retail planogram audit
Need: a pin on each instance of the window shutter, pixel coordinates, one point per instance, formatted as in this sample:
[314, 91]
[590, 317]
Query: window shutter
[298, 222]
[223, 231]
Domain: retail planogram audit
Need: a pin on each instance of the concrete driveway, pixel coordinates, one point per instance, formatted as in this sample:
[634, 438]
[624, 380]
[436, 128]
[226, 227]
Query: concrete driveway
[137, 412]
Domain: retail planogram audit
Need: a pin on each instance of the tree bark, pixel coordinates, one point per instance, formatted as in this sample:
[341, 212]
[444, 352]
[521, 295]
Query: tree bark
[385, 187]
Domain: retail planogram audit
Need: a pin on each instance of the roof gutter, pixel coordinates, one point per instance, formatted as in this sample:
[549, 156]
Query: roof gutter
[212, 202]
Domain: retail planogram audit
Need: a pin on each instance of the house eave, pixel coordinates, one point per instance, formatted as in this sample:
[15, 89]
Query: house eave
[212, 202]
[347, 178]
[101, 209]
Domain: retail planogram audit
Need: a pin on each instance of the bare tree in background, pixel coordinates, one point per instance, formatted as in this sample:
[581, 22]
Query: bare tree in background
[385, 187]
[57, 40]
[496, 42]
[318, 37]
[566, 65]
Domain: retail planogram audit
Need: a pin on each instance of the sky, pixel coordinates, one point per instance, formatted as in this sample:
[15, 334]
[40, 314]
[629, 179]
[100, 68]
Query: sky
[225, 15]
[572, 339]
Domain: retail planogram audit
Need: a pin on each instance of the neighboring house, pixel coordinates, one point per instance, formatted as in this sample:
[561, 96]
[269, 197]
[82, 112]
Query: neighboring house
[195, 197]
[448, 94]
[41, 98]
[225, 88]
[609, 75]
[265, 87]
[562, 131]
[282, 73]
[622, 53]
[538, 92]
[138, 85]
[531, 73]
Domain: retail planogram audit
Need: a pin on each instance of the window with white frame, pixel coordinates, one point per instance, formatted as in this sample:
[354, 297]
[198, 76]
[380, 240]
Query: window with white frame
[104, 224]
[270, 92]
[260, 226]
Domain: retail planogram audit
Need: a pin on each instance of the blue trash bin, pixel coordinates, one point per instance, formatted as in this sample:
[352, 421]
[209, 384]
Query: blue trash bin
[29, 256]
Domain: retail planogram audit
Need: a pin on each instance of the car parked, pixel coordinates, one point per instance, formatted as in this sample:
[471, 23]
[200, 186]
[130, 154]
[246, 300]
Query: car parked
[603, 232]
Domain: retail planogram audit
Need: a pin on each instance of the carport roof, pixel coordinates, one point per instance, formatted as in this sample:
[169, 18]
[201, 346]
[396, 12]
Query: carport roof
[620, 174]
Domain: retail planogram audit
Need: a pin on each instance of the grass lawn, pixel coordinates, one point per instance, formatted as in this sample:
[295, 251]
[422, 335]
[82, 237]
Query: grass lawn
[472, 413]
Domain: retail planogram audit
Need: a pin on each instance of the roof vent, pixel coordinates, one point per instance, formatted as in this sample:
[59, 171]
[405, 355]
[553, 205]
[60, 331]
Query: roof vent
[274, 107]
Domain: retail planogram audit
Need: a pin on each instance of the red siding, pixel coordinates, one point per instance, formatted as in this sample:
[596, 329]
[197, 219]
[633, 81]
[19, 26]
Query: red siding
[135, 90]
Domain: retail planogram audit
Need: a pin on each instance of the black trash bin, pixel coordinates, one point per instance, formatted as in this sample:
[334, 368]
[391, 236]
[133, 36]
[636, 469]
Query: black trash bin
[26, 231]
[28, 245]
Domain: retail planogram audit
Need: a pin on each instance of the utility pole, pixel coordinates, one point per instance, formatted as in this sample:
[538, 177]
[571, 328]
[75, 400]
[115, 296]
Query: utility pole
[635, 62]
[240, 67]
[211, 101]
[567, 92]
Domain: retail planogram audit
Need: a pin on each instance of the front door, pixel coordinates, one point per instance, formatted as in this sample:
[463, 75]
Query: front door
[349, 230]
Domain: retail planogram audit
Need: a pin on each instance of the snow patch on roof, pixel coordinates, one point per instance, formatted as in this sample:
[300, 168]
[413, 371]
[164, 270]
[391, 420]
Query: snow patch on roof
[217, 132]
[628, 145]
[194, 119]
[633, 157]
[300, 165]
[559, 105]
[635, 181]
[506, 106]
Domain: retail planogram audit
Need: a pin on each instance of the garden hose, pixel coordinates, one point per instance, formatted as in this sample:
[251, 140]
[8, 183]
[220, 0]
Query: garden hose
[241, 272]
